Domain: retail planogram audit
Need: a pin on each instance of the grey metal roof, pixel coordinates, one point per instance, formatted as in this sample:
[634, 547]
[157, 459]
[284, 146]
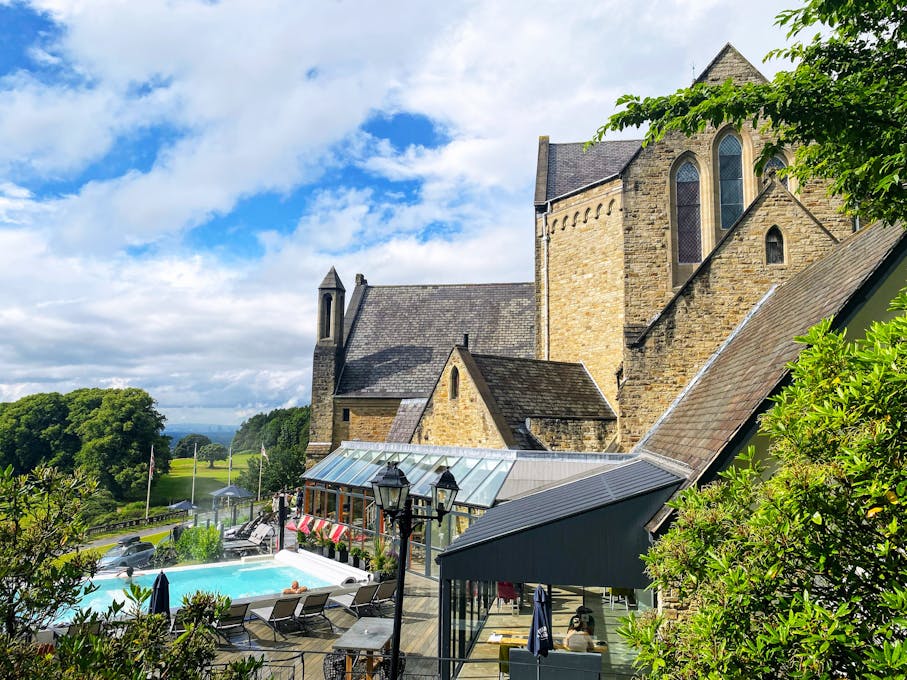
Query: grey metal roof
[402, 335]
[568, 500]
[571, 167]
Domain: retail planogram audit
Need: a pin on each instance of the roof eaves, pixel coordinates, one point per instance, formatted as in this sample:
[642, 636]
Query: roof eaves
[453, 548]
[475, 373]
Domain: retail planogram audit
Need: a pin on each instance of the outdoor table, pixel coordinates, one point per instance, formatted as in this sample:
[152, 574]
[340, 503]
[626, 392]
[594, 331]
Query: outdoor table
[369, 635]
[511, 638]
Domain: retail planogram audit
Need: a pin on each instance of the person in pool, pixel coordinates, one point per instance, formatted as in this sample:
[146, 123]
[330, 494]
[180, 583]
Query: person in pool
[294, 589]
[127, 573]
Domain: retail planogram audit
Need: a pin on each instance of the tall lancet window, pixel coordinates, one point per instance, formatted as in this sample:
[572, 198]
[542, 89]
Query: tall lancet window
[776, 163]
[326, 316]
[774, 246]
[689, 233]
[730, 178]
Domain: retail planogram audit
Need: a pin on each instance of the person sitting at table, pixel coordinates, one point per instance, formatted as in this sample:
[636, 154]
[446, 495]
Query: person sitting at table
[578, 638]
[585, 615]
[294, 589]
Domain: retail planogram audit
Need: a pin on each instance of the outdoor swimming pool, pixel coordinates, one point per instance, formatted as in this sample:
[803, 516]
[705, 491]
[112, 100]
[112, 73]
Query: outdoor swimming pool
[236, 580]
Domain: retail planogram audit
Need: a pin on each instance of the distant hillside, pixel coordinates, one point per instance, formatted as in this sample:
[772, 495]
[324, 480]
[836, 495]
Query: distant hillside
[221, 434]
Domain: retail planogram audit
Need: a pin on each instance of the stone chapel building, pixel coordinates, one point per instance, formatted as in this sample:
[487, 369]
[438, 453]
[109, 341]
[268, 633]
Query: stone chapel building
[646, 261]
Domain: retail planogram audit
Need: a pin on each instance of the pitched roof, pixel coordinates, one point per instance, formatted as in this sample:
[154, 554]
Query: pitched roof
[402, 335]
[524, 388]
[722, 401]
[408, 414]
[563, 501]
[332, 280]
[729, 58]
[570, 167]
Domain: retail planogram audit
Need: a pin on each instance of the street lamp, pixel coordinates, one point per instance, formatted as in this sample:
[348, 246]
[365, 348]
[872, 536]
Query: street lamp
[391, 489]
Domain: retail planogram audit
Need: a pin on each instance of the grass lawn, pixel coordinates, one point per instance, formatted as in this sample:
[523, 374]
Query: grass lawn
[177, 484]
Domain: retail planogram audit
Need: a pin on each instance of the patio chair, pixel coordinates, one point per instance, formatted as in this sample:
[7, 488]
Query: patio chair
[358, 603]
[386, 593]
[178, 624]
[305, 524]
[232, 621]
[312, 607]
[321, 525]
[509, 595]
[283, 612]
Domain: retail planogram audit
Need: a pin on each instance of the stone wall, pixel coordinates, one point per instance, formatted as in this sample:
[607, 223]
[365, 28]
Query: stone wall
[324, 370]
[463, 421]
[570, 434]
[711, 305]
[369, 419]
[580, 283]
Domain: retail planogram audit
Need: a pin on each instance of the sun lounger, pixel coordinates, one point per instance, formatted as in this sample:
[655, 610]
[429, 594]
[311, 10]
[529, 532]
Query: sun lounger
[385, 594]
[258, 541]
[338, 532]
[312, 607]
[232, 621]
[358, 603]
[320, 525]
[282, 613]
[305, 524]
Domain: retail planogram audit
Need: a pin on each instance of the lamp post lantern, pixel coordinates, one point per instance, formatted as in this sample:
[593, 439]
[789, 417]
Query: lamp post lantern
[391, 489]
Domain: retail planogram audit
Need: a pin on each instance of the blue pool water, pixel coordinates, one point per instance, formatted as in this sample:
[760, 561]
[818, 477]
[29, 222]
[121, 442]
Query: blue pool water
[233, 580]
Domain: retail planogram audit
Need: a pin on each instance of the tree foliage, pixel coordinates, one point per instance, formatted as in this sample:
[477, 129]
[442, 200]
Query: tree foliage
[212, 452]
[42, 581]
[286, 428]
[282, 470]
[185, 447]
[39, 524]
[108, 432]
[802, 574]
[843, 105]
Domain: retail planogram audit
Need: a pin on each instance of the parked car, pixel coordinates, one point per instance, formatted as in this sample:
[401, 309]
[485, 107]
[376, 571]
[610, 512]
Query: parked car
[128, 552]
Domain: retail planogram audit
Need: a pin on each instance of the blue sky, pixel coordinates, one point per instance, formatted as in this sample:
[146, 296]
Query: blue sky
[177, 177]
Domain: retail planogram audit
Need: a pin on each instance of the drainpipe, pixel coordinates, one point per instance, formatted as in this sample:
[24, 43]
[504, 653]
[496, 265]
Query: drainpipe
[546, 323]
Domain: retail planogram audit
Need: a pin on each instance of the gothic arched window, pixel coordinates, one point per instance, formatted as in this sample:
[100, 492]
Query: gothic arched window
[774, 246]
[775, 163]
[730, 179]
[454, 383]
[689, 233]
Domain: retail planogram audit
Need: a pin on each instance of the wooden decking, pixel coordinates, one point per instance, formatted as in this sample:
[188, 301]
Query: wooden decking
[419, 638]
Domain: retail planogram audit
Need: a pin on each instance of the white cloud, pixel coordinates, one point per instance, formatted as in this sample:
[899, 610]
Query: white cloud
[264, 96]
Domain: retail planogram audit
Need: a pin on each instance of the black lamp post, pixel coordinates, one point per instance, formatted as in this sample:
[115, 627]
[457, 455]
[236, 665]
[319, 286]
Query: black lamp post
[391, 489]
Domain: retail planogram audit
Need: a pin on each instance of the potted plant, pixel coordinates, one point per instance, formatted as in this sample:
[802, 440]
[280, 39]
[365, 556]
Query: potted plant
[343, 551]
[356, 556]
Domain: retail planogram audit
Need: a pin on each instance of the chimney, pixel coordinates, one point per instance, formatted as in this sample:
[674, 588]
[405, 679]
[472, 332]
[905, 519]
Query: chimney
[360, 280]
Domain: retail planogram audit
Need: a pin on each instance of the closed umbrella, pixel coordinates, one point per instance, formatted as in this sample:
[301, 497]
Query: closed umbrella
[160, 595]
[540, 640]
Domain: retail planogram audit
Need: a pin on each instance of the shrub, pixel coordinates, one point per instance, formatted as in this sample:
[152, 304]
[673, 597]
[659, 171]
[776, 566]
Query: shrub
[201, 544]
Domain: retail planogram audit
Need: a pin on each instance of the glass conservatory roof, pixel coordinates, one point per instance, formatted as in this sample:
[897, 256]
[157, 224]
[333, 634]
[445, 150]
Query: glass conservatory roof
[482, 474]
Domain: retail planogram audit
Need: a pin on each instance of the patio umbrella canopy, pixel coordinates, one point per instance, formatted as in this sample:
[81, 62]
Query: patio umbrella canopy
[160, 595]
[540, 641]
[182, 505]
[232, 491]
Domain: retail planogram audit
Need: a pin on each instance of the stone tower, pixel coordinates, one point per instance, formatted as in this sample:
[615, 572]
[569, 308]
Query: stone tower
[327, 364]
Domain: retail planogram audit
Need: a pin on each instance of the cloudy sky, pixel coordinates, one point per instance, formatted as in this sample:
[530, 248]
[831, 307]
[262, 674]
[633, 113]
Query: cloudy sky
[177, 177]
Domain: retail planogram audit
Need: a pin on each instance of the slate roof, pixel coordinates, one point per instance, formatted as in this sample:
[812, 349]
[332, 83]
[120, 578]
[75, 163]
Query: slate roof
[721, 402]
[401, 336]
[567, 500]
[569, 167]
[524, 388]
[406, 420]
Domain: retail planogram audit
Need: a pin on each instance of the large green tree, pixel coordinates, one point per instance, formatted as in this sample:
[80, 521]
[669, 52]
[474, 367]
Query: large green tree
[801, 574]
[212, 452]
[186, 447]
[843, 104]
